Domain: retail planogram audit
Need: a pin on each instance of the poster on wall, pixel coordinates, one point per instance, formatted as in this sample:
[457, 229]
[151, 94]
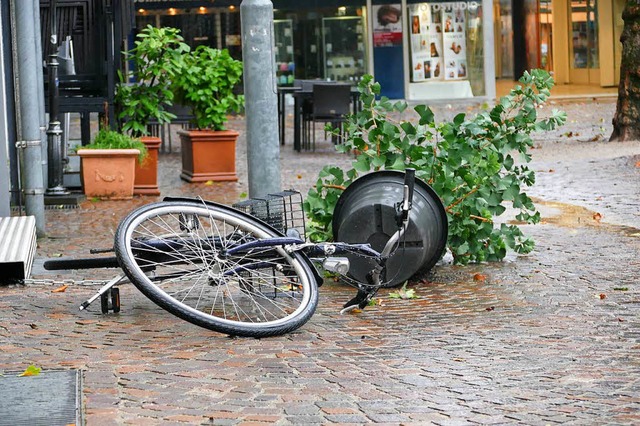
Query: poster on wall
[454, 44]
[435, 47]
[438, 41]
[420, 19]
[387, 25]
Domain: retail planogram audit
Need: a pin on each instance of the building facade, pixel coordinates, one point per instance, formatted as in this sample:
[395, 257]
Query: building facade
[577, 40]
[417, 49]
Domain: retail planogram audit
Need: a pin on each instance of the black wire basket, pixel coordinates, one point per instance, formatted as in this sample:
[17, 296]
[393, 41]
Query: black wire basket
[282, 210]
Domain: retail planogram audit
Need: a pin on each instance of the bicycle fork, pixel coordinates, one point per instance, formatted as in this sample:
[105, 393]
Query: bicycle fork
[367, 292]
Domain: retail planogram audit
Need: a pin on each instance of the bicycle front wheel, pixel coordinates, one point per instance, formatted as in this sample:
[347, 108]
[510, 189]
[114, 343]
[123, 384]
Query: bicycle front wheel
[176, 253]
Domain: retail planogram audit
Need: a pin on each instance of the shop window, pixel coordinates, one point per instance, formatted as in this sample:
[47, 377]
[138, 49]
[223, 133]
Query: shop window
[327, 42]
[285, 66]
[344, 48]
[504, 47]
[584, 26]
[546, 35]
[446, 43]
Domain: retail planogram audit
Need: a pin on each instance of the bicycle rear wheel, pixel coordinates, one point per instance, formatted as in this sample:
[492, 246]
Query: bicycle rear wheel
[176, 254]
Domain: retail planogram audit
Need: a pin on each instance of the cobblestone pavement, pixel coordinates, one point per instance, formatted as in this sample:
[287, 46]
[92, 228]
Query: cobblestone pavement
[548, 338]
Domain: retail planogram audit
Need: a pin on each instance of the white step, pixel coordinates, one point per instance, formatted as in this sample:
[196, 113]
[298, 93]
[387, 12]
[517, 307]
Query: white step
[17, 247]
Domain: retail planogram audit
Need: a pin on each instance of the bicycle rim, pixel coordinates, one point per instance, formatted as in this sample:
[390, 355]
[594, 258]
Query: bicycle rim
[175, 253]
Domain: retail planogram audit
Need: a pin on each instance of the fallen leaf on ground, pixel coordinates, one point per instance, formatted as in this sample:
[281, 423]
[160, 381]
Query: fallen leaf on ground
[61, 289]
[491, 308]
[597, 217]
[31, 370]
[403, 293]
[209, 183]
[603, 296]
[479, 277]
[638, 164]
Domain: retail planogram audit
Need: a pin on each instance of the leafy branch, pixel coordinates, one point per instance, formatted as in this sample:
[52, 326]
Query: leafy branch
[476, 165]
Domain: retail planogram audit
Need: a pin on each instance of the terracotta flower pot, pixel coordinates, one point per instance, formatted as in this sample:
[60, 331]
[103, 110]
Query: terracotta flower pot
[208, 155]
[146, 181]
[108, 173]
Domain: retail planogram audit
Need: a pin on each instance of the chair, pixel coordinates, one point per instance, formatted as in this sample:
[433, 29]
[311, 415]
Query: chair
[331, 104]
[306, 86]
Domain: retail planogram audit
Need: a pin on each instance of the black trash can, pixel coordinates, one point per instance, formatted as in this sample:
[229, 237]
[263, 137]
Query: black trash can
[365, 213]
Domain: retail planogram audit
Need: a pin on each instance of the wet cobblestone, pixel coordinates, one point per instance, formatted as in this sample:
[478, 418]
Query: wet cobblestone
[547, 338]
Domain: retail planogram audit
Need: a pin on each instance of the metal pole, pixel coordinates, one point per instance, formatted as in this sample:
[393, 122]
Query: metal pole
[263, 146]
[54, 131]
[28, 96]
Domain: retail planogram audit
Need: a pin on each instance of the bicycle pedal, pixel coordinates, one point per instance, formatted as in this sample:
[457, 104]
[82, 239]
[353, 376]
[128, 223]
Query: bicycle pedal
[110, 301]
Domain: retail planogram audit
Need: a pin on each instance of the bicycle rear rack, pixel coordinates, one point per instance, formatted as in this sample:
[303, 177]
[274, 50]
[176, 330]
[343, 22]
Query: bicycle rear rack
[282, 210]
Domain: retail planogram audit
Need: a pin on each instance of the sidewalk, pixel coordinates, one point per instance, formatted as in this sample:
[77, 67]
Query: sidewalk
[548, 338]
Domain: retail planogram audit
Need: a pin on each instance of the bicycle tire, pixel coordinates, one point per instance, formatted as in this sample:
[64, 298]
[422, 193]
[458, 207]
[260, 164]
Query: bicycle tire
[257, 293]
[81, 263]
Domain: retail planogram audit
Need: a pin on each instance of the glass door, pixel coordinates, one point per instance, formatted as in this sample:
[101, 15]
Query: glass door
[503, 38]
[546, 35]
[584, 60]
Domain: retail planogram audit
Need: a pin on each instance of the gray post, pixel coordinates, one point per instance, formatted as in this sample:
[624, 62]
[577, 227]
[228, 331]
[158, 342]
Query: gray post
[263, 146]
[29, 111]
[5, 180]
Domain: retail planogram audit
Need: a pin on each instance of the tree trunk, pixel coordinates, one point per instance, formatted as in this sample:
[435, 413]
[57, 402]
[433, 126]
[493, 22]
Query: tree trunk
[626, 121]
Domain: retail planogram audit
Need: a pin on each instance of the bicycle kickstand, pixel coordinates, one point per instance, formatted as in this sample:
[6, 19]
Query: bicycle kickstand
[105, 291]
[360, 301]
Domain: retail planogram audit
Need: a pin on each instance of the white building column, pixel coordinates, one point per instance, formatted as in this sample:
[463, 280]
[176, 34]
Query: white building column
[489, 53]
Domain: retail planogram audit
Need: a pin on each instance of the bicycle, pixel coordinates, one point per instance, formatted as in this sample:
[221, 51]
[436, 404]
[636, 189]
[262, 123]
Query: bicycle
[228, 271]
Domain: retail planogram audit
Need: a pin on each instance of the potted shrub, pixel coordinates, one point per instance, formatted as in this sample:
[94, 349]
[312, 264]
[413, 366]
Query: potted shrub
[108, 165]
[156, 58]
[206, 85]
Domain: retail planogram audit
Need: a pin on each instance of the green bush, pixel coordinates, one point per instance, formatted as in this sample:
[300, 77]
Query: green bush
[110, 139]
[157, 57]
[476, 165]
[207, 85]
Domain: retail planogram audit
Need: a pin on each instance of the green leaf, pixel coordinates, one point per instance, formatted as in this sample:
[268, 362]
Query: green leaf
[425, 113]
[31, 370]
[362, 165]
[404, 293]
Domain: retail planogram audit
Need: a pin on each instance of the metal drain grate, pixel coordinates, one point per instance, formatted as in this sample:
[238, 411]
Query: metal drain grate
[51, 398]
